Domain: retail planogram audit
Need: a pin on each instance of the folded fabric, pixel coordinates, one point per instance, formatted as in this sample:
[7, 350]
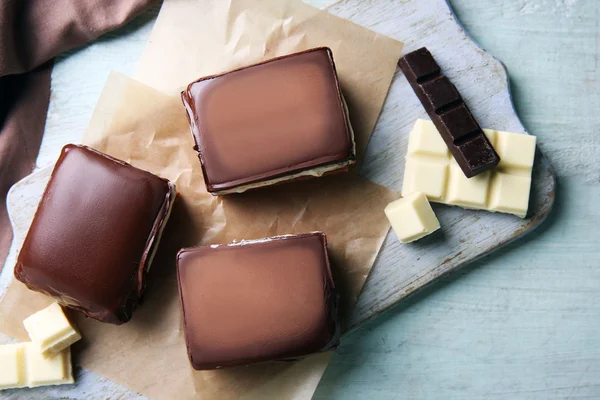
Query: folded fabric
[23, 104]
[34, 31]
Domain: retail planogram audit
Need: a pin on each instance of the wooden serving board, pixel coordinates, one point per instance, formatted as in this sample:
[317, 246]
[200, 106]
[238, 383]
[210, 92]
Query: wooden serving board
[403, 269]
[400, 269]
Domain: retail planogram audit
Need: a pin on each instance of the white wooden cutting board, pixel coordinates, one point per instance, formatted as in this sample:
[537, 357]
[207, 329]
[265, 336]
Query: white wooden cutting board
[400, 270]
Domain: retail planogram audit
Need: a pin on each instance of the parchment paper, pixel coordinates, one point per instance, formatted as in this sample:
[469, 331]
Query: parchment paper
[149, 129]
[196, 38]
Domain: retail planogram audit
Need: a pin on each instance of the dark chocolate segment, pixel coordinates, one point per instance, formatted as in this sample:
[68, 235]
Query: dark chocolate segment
[92, 238]
[248, 302]
[459, 123]
[479, 151]
[440, 93]
[425, 69]
[452, 118]
[270, 120]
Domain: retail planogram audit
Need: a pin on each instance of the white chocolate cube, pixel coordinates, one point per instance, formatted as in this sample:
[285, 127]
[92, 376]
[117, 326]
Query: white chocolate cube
[467, 192]
[427, 140]
[432, 170]
[428, 177]
[411, 217]
[12, 374]
[515, 151]
[50, 330]
[510, 194]
[56, 370]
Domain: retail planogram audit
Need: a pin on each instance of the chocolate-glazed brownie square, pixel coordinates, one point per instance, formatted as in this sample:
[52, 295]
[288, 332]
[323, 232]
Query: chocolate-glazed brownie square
[272, 122]
[94, 234]
[259, 300]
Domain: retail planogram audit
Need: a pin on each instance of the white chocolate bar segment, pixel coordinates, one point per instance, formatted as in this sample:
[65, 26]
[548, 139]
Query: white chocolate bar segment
[516, 151]
[430, 169]
[468, 193]
[50, 330]
[56, 370]
[509, 193]
[12, 373]
[412, 217]
[22, 365]
[428, 141]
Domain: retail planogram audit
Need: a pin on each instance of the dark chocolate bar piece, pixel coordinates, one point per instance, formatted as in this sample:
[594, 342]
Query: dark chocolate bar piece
[464, 137]
[269, 123]
[94, 234]
[259, 300]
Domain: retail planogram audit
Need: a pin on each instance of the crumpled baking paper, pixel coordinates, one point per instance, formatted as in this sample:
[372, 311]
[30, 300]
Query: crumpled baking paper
[196, 38]
[149, 129]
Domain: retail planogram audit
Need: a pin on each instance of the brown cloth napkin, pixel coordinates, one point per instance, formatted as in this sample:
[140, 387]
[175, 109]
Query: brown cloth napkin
[32, 32]
[23, 104]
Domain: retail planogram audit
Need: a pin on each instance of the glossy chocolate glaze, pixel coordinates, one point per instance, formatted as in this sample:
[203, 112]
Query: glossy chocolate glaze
[91, 240]
[269, 120]
[254, 301]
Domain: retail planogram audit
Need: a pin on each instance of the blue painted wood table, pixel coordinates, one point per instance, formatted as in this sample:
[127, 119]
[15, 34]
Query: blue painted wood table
[524, 322]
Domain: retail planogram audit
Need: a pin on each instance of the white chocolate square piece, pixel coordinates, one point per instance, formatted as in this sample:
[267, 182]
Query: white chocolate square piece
[12, 374]
[467, 192]
[50, 330]
[56, 370]
[515, 151]
[22, 365]
[510, 193]
[411, 217]
[434, 172]
[426, 176]
[428, 141]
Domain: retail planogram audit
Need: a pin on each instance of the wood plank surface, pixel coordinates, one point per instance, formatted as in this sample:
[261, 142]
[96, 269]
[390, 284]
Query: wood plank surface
[522, 323]
[401, 270]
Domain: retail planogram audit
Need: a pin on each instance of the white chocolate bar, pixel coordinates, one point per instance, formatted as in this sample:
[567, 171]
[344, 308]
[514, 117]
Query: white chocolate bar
[50, 330]
[12, 373]
[431, 169]
[411, 217]
[56, 370]
[22, 365]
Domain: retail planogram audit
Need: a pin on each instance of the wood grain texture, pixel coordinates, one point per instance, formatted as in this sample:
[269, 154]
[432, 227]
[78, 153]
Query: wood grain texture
[522, 323]
[401, 269]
